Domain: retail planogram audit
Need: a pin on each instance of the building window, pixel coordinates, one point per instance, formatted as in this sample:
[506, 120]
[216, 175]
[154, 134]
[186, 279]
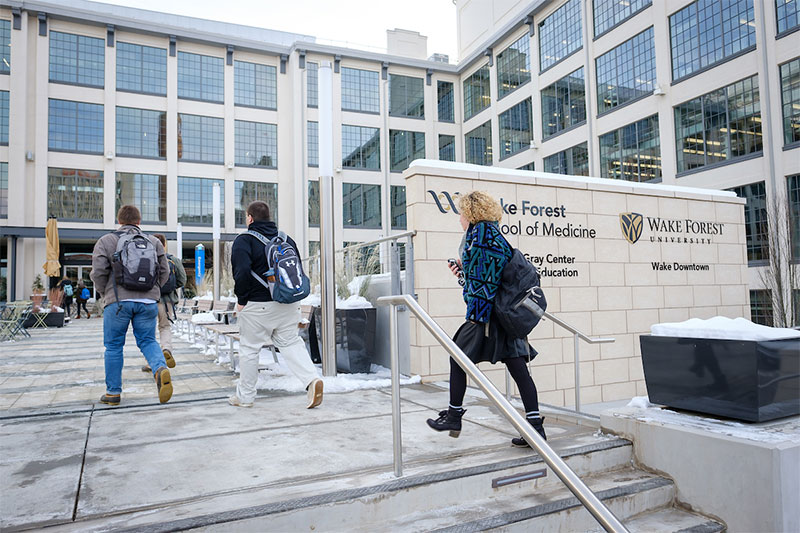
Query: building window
[313, 144]
[398, 194]
[361, 205]
[515, 129]
[445, 99]
[755, 221]
[529, 166]
[148, 192]
[447, 148]
[572, 161]
[3, 190]
[609, 13]
[761, 307]
[312, 84]
[478, 145]
[406, 97]
[196, 201]
[77, 59]
[313, 204]
[75, 127]
[360, 90]
[793, 191]
[200, 77]
[796, 307]
[200, 139]
[75, 194]
[564, 104]
[514, 66]
[251, 191]
[141, 69]
[633, 152]
[361, 147]
[722, 125]
[560, 34]
[255, 85]
[788, 14]
[404, 147]
[790, 98]
[141, 133]
[256, 144]
[477, 94]
[4, 117]
[5, 46]
[627, 72]
[707, 31]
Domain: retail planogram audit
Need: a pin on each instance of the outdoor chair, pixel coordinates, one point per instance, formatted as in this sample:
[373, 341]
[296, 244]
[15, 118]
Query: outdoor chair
[13, 319]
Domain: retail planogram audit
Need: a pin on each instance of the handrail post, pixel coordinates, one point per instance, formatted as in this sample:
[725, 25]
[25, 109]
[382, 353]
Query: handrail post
[397, 440]
[508, 385]
[577, 373]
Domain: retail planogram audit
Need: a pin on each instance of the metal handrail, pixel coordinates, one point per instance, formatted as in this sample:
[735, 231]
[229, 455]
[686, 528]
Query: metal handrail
[392, 237]
[589, 499]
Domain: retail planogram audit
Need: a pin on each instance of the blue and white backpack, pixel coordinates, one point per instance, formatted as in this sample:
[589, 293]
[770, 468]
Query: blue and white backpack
[285, 279]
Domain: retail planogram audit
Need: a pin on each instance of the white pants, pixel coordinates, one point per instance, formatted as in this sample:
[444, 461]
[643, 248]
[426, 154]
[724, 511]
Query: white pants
[258, 323]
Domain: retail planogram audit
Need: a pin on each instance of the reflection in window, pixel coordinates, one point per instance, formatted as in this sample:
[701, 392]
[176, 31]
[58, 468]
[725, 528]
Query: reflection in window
[633, 152]
[75, 127]
[478, 145]
[361, 147]
[529, 166]
[148, 192]
[761, 307]
[790, 98]
[398, 194]
[196, 200]
[793, 192]
[3, 190]
[560, 34]
[141, 133]
[788, 14]
[361, 205]
[313, 144]
[77, 59]
[477, 94]
[255, 85]
[312, 84]
[406, 97]
[445, 100]
[4, 117]
[360, 90]
[514, 66]
[564, 104]
[5, 46]
[404, 147]
[609, 13]
[75, 194]
[256, 144]
[200, 139]
[626, 72]
[447, 148]
[719, 126]
[141, 69]
[755, 220]
[572, 161]
[251, 191]
[313, 204]
[200, 77]
[707, 31]
[515, 129]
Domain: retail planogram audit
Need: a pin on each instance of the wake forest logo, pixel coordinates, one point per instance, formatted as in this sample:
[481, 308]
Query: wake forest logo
[631, 225]
[445, 202]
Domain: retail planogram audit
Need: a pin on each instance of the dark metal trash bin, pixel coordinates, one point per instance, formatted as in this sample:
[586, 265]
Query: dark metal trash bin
[355, 339]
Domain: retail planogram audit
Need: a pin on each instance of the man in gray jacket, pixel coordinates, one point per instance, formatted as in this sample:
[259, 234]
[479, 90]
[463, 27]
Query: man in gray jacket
[124, 306]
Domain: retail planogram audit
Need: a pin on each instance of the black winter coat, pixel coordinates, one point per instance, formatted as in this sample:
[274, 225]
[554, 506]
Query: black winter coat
[248, 254]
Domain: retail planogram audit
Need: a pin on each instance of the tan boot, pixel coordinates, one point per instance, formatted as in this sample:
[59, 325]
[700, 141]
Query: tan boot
[164, 384]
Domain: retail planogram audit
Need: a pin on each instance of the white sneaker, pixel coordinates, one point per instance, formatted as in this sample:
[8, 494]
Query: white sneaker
[237, 402]
[314, 393]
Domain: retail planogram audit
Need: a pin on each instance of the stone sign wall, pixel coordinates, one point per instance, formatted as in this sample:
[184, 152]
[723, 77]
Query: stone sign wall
[615, 258]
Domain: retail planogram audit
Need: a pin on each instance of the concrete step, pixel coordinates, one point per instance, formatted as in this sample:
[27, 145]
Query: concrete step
[670, 520]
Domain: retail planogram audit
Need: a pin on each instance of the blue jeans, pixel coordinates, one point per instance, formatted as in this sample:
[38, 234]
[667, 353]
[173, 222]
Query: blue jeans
[115, 327]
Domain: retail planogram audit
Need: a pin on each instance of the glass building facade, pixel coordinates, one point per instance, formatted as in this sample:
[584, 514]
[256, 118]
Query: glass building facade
[256, 144]
[406, 96]
[627, 72]
[790, 101]
[148, 192]
[514, 66]
[255, 85]
[141, 133]
[195, 200]
[574, 161]
[478, 145]
[564, 104]
[361, 147]
[404, 147]
[4, 111]
[141, 69]
[200, 77]
[477, 92]
[360, 90]
[247, 192]
[361, 205]
[560, 34]
[609, 13]
[447, 148]
[756, 222]
[446, 101]
[77, 59]
[516, 126]
[75, 194]
[633, 152]
[75, 127]
[200, 139]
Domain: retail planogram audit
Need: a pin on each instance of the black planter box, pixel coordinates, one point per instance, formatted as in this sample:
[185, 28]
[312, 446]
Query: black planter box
[355, 339]
[754, 381]
[53, 320]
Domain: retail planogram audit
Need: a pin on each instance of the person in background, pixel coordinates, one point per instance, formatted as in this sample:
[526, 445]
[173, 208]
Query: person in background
[81, 297]
[69, 292]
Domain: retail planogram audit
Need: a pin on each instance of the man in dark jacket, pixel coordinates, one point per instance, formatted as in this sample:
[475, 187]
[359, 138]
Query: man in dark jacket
[261, 319]
[124, 307]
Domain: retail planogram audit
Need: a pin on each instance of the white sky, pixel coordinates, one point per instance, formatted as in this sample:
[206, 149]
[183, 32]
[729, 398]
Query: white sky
[357, 22]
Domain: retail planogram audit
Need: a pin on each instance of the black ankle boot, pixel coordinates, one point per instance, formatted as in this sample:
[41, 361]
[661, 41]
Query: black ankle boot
[449, 420]
[537, 424]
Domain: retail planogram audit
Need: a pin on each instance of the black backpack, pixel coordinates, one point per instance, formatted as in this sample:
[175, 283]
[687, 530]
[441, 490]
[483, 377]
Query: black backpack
[172, 281]
[519, 303]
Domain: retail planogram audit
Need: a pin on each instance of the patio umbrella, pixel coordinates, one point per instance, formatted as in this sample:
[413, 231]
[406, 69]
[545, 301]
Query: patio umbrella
[52, 267]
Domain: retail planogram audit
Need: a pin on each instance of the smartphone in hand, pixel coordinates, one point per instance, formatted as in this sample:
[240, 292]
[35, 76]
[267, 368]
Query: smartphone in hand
[460, 273]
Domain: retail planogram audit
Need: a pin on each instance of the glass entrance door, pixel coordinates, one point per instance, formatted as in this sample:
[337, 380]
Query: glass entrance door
[76, 274]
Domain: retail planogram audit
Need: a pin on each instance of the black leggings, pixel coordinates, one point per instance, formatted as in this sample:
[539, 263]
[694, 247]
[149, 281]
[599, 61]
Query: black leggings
[519, 372]
[82, 303]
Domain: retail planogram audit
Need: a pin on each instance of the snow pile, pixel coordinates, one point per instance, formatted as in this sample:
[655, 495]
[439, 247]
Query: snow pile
[203, 318]
[280, 379]
[206, 296]
[640, 402]
[721, 327]
[353, 302]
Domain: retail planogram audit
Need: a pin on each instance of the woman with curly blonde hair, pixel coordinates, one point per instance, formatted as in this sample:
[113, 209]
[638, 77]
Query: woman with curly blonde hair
[484, 254]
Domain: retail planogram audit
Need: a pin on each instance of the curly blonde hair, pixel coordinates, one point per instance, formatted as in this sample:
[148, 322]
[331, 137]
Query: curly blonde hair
[479, 206]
